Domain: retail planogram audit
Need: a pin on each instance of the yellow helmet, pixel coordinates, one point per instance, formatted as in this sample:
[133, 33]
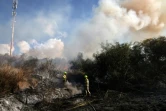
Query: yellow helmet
[86, 76]
[65, 72]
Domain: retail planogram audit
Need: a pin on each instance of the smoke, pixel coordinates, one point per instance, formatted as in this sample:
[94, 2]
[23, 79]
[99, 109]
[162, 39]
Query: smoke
[50, 49]
[4, 49]
[72, 88]
[24, 46]
[153, 9]
[112, 20]
[117, 20]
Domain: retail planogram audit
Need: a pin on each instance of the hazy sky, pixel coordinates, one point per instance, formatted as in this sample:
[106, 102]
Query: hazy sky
[41, 20]
[62, 28]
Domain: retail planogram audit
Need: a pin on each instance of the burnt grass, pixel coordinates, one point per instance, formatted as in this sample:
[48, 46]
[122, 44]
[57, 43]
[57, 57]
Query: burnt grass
[109, 101]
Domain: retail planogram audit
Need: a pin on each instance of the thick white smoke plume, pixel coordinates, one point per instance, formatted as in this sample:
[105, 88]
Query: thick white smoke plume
[24, 46]
[113, 20]
[50, 49]
[153, 9]
[4, 49]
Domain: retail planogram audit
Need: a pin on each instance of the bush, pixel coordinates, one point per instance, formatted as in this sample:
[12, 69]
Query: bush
[9, 77]
[126, 66]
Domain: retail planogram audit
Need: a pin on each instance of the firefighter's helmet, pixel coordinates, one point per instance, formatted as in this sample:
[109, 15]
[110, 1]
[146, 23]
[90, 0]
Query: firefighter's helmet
[86, 76]
[65, 72]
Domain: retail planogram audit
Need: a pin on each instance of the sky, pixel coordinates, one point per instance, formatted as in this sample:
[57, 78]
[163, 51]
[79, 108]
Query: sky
[38, 21]
[63, 28]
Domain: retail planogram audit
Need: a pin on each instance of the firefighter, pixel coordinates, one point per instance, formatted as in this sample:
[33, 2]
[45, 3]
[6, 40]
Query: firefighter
[65, 77]
[87, 86]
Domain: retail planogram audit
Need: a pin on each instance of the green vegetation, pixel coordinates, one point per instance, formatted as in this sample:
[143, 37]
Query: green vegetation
[134, 66]
[122, 67]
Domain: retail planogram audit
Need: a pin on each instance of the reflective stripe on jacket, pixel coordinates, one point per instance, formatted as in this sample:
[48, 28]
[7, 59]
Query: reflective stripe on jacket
[64, 77]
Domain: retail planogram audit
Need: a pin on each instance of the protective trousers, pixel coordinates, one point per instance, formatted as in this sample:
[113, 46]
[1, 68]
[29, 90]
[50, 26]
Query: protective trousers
[87, 88]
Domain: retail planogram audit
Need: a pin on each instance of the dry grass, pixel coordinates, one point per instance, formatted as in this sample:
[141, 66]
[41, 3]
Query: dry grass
[22, 85]
[9, 77]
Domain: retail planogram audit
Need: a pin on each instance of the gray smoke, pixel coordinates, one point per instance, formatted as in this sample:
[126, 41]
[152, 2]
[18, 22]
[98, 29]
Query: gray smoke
[74, 90]
[117, 20]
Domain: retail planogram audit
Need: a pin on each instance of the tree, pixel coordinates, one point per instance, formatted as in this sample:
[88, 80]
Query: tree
[138, 64]
[113, 64]
[155, 57]
[76, 64]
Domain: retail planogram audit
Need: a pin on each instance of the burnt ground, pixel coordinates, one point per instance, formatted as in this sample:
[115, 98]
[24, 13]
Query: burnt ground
[109, 101]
